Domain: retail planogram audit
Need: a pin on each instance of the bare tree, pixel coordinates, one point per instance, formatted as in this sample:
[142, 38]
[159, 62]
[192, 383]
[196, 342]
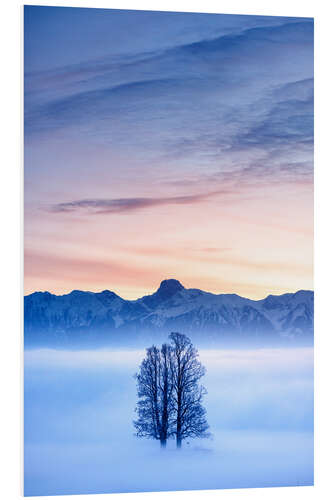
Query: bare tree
[170, 397]
[154, 390]
[189, 414]
[165, 392]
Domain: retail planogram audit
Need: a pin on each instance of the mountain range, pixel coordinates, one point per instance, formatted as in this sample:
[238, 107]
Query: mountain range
[103, 317]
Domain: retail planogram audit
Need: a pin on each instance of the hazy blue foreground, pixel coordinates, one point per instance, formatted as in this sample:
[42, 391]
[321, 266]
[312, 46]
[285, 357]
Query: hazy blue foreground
[79, 407]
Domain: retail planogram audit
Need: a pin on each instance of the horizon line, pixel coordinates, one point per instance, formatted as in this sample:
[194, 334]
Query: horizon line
[169, 279]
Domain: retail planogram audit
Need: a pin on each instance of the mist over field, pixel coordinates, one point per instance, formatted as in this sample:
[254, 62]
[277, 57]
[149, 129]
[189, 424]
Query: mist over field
[79, 436]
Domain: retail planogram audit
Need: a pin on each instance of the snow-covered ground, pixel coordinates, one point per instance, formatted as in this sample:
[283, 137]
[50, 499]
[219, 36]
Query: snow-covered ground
[79, 407]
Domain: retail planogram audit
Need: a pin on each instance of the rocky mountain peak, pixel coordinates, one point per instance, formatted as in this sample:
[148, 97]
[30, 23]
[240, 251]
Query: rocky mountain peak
[168, 288]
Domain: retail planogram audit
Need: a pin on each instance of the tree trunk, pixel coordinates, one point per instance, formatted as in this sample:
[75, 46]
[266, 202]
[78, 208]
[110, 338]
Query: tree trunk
[163, 443]
[179, 442]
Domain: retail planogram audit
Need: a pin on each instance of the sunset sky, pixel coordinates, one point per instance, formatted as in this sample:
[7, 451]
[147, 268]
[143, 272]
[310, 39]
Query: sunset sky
[167, 145]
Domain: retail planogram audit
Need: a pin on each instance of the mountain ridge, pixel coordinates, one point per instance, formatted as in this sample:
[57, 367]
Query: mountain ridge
[202, 315]
[163, 281]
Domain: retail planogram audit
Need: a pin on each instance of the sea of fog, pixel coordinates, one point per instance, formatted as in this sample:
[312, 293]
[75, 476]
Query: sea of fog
[79, 437]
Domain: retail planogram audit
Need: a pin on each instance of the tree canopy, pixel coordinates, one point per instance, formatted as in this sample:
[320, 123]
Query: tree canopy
[170, 397]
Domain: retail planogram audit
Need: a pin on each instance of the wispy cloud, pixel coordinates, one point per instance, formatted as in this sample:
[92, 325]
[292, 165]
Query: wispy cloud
[236, 108]
[187, 103]
[124, 205]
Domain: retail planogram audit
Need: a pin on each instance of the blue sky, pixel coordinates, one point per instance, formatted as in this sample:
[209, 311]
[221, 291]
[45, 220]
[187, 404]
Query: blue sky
[152, 116]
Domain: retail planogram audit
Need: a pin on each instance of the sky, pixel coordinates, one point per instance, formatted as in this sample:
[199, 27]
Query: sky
[167, 145]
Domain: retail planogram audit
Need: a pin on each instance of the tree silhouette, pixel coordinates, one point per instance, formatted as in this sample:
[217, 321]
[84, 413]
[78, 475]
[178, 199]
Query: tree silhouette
[165, 391]
[190, 415]
[170, 397]
[154, 390]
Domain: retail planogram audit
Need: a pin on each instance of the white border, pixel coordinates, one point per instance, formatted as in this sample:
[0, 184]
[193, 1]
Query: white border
[11, 245]
[297, 8]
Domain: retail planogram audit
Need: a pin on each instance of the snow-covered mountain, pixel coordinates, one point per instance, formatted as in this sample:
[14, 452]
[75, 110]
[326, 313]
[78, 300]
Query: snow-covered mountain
[201, 315]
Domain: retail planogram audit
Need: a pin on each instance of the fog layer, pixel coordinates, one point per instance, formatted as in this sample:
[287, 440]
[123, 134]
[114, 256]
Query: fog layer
[79, 437]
